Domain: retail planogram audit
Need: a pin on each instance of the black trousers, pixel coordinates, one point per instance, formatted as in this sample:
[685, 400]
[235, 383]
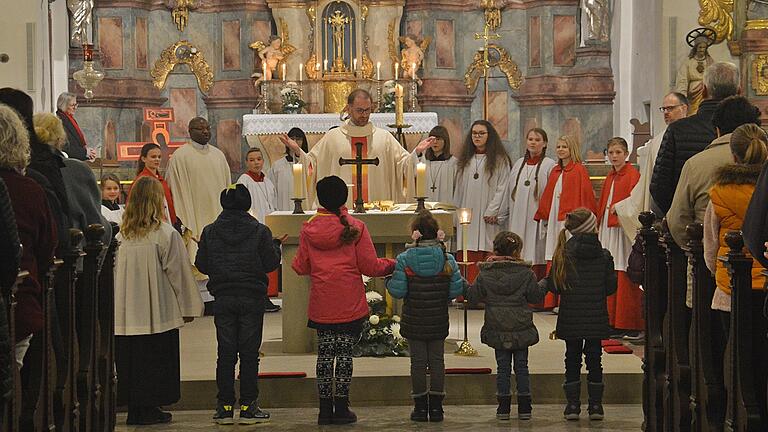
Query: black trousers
[148, 369]
[592, 351]
[239, 324]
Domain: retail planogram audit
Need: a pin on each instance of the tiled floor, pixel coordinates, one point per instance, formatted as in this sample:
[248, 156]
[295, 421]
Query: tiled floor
[466, 418]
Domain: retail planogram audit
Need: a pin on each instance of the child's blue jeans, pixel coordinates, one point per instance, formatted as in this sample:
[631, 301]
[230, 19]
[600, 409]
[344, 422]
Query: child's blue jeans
[504, 367]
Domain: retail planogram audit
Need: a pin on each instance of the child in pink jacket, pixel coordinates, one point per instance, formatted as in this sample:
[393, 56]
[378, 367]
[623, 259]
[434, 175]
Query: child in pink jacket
[335, 249]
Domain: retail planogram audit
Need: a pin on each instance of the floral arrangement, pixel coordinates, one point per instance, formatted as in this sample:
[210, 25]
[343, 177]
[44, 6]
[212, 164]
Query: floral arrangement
[381, 333]
[291, 97]
[388, 97]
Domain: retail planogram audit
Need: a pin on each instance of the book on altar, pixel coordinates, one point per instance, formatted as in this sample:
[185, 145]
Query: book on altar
[429, 205]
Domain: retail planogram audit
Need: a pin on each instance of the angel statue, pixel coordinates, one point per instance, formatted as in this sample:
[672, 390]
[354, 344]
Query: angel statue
[599, 19]
[412, 56]
[272, 55]
[80, 22]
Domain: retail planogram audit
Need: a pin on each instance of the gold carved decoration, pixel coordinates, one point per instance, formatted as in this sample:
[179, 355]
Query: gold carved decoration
[497, 56]
[760, 24]
[182, 52]
[180, 12]
[335, 95]
[760, 75]
[492, 14]
[313, 72]
[367, 67]
[717, 14]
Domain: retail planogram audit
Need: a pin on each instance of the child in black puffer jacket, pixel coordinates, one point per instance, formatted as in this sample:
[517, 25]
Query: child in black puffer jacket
[583, 274]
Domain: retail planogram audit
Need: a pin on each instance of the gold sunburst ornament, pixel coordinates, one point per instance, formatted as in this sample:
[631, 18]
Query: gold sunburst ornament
[182, 52]
[718, 15]
[498, 56]
[760, 75]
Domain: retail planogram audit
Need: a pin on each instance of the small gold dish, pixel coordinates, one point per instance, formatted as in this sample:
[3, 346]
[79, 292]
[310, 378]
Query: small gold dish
[386, 205]
[370, 205]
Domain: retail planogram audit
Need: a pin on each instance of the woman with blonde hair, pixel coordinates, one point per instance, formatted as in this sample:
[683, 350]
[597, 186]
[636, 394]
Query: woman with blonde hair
[155, 294]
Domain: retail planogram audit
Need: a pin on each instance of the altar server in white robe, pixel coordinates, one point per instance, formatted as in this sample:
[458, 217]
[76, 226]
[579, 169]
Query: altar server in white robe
[527, 182]
[197, 173]
[441, 166]
[262, 190]
[481, 179]
[281, 172]
[393, 179]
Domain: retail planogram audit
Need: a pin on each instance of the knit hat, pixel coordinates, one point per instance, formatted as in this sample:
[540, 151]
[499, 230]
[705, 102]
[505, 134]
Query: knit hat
[236, 197]
[331, 192]
[588, 226]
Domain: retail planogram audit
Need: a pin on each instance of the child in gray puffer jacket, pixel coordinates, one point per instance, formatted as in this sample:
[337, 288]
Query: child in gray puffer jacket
[507, 285]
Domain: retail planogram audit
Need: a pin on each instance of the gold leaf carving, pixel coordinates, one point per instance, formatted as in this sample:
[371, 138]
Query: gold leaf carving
[498, 57]
[182, 52]
[717, 14]
[760, 75]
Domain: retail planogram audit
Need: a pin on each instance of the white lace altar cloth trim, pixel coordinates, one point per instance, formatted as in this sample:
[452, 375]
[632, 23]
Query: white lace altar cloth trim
[270, 124]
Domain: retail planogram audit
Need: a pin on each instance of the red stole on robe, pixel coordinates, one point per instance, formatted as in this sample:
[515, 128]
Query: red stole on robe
[77, 127]
[622, 181]
[576, 191]
[258, 178]
[166, 189]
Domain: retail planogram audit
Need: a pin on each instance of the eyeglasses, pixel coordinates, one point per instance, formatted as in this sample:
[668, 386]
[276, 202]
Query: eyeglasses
[479, 133]
[666, 109]
[362, 111]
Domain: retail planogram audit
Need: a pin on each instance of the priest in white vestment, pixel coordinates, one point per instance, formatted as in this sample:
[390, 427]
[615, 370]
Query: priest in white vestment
[197, 173]
[675, 107]
[393, 179]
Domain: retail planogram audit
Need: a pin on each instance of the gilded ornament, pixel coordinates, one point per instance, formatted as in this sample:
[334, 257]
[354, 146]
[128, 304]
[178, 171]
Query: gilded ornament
[182, 52]
[718, 15]
[761, 24]
[180, 12]
[367, 67]
[497, 56]
[311, 67]
[760, 75]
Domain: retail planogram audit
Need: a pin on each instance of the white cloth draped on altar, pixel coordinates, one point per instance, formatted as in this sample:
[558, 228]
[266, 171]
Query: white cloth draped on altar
[269, 124]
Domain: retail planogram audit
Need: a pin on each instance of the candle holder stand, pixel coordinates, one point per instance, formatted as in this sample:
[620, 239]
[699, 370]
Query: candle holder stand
[465, 348]
[420, 204]
[263, 106]
[414, 101]
[379, 92]
[297, 208]
[399, 134]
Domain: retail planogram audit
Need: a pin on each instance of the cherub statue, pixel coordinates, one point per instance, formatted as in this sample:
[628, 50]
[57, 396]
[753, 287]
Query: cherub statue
[272, 55]
[413, 54]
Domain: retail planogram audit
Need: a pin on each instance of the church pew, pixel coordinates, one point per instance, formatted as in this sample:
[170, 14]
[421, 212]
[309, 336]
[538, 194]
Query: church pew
[88, 387]
[654, 284]
[706, 350]
[106, 354]
[743, 406]
[66, 406]
[677, 392]
[11, 413]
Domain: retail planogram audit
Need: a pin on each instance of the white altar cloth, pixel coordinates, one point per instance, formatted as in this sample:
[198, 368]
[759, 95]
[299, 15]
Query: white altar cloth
[270, 124]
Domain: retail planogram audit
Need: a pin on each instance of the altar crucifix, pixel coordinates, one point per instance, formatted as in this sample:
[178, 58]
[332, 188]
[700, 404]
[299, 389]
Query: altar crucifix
[358, 161]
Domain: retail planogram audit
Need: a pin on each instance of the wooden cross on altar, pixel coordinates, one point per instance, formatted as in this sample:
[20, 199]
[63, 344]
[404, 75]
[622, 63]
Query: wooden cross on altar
[358, 161]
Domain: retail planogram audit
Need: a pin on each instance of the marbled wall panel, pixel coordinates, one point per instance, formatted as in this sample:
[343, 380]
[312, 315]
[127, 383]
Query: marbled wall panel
[228, 140]
[141, 42]
[572, 126]
[534, 41]
[445, 42]
[564, 36]
[184, 104]
[261, 31]
[109, 151]
[414, 28]
[498, 113]
[111, 42]
[455, 129]
[230, 45]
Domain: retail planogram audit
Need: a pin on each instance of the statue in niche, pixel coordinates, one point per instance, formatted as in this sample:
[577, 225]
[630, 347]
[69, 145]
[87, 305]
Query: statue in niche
[80, 20]
[271, 54]
[413, 55]
[598, 20]
[690, 74]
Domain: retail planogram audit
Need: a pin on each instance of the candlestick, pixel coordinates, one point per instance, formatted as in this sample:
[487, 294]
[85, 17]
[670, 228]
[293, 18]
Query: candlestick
[397, 68]
[298, 180]
[301, 72]
[378, 71]
[325, 65]
[413, 70]
[264, 66]
[354, 64]
[399, 104]
[464, 243]
[297, 208]
[465, 218]
[284, 71]
[421, 179]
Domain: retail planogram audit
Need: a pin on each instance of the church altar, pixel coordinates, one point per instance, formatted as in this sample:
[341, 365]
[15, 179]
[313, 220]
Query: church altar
[389, 231]
[271, 124]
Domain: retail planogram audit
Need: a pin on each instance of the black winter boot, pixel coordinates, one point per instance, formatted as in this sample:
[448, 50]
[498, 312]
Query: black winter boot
[325, 417]
[595, 400]
[420, 407]
[524, 408]
[504, 408]
[341, 413]
[573, 395]
[436, 407]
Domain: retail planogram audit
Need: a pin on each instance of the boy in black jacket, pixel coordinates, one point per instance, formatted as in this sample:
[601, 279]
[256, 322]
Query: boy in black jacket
[236, 252]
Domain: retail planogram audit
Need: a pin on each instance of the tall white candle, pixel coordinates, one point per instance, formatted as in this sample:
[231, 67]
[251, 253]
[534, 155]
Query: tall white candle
[413, 70]
[421, 179]
[378, 71]
[284, 71]
[298, 180]
[397, 69]
[301, 72]
[354, 64]
[264, 66]
[325, 65]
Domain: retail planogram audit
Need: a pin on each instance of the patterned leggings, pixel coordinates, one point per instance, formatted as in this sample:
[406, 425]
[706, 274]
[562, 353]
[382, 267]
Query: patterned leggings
[333, 345]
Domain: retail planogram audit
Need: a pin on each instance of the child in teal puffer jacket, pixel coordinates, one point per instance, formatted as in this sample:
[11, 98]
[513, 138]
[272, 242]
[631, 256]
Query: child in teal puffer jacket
[427, 278]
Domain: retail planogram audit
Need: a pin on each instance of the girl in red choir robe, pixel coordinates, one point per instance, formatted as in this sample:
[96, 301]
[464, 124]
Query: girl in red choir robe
[625, 308]
[149, 165]
[568, 188]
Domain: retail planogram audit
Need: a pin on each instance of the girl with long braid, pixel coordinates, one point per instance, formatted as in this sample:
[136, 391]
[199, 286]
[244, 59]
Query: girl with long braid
[335, 249]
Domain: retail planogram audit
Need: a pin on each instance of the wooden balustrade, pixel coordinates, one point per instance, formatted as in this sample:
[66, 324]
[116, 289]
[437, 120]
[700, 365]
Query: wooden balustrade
[12, 410]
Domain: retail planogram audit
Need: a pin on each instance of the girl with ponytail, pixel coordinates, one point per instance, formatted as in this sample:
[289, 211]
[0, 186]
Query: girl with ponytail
[335, 250]
[729, 198]
[583, 275]
[527, 182]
